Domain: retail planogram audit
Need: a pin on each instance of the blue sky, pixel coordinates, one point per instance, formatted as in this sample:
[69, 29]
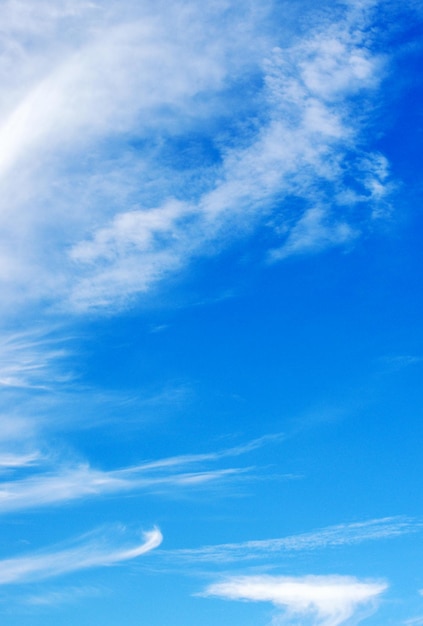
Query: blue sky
[211, 345]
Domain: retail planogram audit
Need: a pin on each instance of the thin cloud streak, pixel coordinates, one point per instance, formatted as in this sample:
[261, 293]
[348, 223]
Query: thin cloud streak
[73, 483]
[213, 456]
[321, 600]
[64, 596]
[339, 535]
[93, 553]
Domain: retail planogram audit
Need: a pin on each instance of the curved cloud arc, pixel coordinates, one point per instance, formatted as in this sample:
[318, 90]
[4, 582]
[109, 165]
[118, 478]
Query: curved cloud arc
[93, 553]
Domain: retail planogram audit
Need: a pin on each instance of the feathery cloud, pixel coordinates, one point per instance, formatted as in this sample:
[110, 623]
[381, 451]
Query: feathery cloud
[338, 535]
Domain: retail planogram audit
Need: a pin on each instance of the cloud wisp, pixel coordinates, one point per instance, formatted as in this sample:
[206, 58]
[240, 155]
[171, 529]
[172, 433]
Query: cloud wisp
[316, 600]
[59, 597]
[66, 484]
[14, 461]
[331, 536]
[94, 551]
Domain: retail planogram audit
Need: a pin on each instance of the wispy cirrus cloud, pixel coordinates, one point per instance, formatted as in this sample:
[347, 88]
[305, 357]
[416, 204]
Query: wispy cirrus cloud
[315, 600]
[96, 124]
[31, 359]
[331, 536]
[69, 483]
[95, 550]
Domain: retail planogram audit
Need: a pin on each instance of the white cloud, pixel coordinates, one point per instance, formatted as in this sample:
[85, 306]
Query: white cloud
[320, 600]
[94, 552]
[103, 91]
[339, 535]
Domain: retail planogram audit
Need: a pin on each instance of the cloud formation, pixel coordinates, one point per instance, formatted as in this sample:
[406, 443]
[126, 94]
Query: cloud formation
[96, 120]
[320, 600]
[96, 552]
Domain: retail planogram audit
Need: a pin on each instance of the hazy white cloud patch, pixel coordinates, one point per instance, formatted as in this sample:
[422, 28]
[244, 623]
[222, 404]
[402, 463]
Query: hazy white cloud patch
[15, 430]
[398, 362]
[105, 105]
[58, 597]
[95, 550]
[34, 371]
[414, 621]
[315, 600]
[313, 232]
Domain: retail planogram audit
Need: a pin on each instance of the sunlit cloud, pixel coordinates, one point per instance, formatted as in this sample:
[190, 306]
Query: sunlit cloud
[316, 600]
